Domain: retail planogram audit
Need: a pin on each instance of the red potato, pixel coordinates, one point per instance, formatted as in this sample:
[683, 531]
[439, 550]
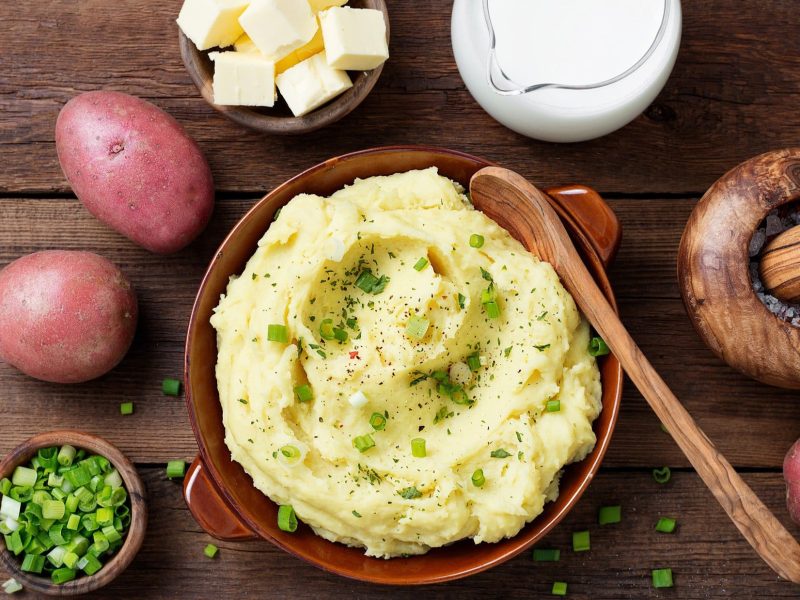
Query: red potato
[65, 316]
[135, 168]
[791, 473]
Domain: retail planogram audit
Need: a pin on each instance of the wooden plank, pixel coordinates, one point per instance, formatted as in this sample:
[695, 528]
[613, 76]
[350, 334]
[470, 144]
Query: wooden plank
[737, 413]
[721, 105]
[713, 559]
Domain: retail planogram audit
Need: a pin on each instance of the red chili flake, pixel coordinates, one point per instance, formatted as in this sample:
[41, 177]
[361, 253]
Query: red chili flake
[354, 354]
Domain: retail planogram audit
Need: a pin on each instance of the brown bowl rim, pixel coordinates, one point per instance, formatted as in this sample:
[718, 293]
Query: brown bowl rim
[136, 492]
[198, 65]
[589, 466]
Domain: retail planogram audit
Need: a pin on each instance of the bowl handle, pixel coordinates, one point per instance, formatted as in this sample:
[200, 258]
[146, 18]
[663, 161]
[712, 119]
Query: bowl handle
[211, 511]
[593, 216]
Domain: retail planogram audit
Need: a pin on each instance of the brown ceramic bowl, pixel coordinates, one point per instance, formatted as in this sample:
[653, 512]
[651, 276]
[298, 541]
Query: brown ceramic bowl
[221, 495]
[279, 119]
[136, 494]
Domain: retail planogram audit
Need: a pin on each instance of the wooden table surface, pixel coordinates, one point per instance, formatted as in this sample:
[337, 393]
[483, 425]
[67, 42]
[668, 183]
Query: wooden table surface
[733, 94]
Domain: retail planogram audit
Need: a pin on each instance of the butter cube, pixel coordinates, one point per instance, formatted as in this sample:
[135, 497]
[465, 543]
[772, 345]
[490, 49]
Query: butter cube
[210, 23]
[303, 52]
[244, 44]
[355, 38]
[278, 27]
[243, 79]
[311, 83]
[320, 5]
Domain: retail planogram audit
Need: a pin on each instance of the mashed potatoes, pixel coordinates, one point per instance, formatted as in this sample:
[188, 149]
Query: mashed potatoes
[367, 323]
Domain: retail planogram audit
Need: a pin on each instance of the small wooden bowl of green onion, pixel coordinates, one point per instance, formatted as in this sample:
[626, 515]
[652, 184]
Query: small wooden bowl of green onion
[72, 513]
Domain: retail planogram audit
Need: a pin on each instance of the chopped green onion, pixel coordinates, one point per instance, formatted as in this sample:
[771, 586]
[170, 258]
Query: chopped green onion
[126, 408]
[210, 550]
[176, 468]
[304, 393]
[580, 541]
[362, 443]
[32, 563]
[476, 240]
[104, 516]
[326, 329]
[10, 508]
[488, 295]
[11, 586]
[89, 564]
[478, 478]
[340, 335]
[62, 575]
[24, 477]
[474, 362]
[66, 455]
[418, 449]
[111, 533]
[492, 309]
[410, 493]
[500, 453]
[553, 406]
[559, 588]
[287, 520]
[73, 522]
[546, 554]
[662, 475]
[100, 541]
[378, 421]
[609, 515]
[48, 457]
[417, 327]
[53, 509]
[666, 525]
[277, 333]
[366, 281]
[5, 486]
[290, 452]
[662, 578]
[172, 387]
[421, 264]
[78, 476]
[598, 347]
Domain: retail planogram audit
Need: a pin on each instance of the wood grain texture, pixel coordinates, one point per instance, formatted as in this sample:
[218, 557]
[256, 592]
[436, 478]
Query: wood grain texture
[720, 107]
[780, 266]
[714, 273]
[708, 557]
[515, 204]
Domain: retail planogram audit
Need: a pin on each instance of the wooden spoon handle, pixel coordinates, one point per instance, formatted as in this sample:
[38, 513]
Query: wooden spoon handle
[756, 522]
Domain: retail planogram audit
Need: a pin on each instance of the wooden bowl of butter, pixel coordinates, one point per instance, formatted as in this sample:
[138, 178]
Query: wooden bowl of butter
[283, 66]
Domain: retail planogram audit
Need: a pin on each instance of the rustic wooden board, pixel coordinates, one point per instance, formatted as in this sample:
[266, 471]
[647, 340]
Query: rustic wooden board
[737, 413]
[722, 105]
[706, 553]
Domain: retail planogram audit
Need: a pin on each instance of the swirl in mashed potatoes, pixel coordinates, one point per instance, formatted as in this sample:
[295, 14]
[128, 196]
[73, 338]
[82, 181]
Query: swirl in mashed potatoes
[393, 311]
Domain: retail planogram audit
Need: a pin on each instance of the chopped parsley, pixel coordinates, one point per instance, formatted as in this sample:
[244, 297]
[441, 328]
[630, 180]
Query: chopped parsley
[410, 493]
[500, 453]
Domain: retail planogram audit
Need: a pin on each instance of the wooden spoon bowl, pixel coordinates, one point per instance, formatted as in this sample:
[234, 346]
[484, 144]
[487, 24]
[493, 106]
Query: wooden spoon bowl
[279, 119]
[714, 272]
[136, 494]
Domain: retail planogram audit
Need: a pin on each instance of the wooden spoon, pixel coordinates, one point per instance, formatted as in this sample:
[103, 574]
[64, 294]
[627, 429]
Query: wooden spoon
[780, 266]
[515, 204]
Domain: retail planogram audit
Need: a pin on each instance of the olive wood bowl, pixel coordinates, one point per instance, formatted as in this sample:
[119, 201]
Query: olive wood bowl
[714, 273]
[133, 539]
[219, 493]
[279, 119]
